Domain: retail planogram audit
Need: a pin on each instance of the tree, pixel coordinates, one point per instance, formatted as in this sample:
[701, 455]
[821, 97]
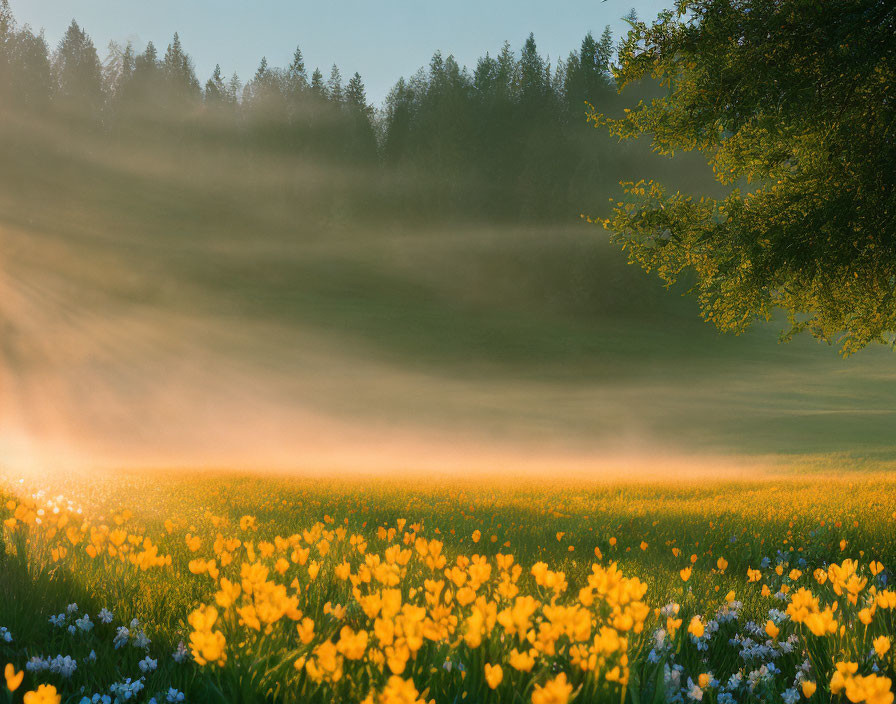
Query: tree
[118, 68]
[234, 89]
[399, 115]
[32, 73]
[587, 76]
[215, 88]
[334, 86]
[296, 75]
[356, 96]
[181, 85]
[795, 102]
[141, 93]
[531, 76]
[363, 140]
[318, 88]
[7, 39]
[79, 83]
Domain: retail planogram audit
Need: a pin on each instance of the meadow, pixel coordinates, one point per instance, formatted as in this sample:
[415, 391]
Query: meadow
[227, 587]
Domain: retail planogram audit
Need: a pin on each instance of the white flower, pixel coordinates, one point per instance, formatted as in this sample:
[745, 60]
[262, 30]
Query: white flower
[121, 637]
[181, 653]
[694, 691]
[141, 640]
[147, 664]
[124, 691]
[105, 616]
[36, 664]
[72, 608]
[64, 666]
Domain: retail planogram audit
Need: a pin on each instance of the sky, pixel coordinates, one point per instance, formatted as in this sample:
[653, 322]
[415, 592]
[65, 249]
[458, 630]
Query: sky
[380, 39]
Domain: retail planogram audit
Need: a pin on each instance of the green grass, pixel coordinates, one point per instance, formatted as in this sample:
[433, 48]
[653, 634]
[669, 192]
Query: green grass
[787, 520]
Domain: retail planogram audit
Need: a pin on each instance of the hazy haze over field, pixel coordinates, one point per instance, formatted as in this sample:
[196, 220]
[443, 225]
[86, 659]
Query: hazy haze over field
[162, 303]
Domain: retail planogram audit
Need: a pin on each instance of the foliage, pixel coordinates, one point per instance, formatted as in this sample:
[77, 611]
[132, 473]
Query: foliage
[794, 102]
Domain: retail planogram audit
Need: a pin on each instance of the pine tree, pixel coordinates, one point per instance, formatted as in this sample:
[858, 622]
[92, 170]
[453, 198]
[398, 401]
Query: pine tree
[147, 61]
[118, 68]
[215, 88]
[356, 95]
[399, 114]
[363, 138]
[334, 86]
[298, 78]
[32, 71]
[505, 78]
[317, 84]
[7, 31]
[78, 72]
[234, 89]
[177, 68]
[531, 75]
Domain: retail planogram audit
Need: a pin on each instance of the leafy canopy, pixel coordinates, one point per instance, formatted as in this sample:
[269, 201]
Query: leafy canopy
[792, 102]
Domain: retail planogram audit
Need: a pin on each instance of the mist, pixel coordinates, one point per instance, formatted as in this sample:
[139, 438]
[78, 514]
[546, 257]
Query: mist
[274, 285]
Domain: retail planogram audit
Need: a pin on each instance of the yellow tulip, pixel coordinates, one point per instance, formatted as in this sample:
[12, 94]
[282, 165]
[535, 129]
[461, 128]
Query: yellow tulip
[13, 679]
[493, 675]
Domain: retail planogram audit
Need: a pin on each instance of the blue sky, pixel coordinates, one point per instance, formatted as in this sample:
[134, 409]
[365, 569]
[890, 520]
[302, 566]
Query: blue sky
[381, 39]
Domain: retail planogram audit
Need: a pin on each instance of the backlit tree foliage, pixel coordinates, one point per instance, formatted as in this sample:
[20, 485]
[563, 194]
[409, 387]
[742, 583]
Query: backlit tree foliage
[792, 102]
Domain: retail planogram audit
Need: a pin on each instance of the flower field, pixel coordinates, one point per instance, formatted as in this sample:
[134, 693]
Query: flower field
[200, 587]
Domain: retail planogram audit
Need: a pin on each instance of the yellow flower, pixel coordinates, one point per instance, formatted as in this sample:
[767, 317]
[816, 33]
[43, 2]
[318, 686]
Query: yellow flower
[685, 574]
[822, 623]
[703, 680]
[844, 670]
[722, 564]
[400, 691]
[306, 630]
[881, 646]
[352, 645]
[13, 679]
[808, 689]
[772, 630]
[493, 675]
[45, 694]
[524, 662]
[476, 536]
[208, 647]
[696, 627]
[871, 689]
[555, 691]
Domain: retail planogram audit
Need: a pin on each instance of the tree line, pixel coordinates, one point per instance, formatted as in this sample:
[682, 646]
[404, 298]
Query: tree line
[507, 138]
